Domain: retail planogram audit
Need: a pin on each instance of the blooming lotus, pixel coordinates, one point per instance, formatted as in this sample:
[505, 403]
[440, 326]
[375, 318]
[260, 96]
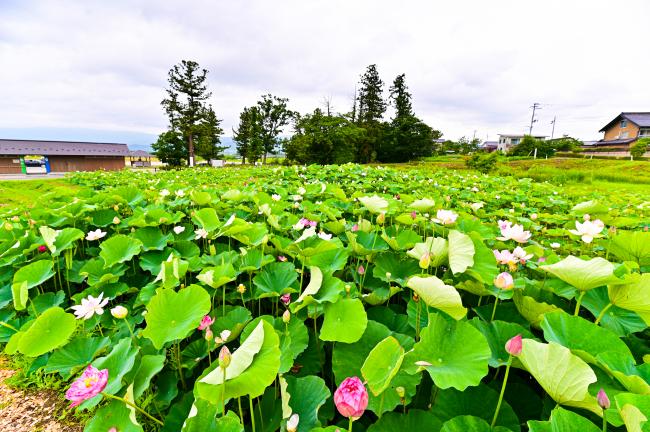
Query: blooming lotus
[90, 306]
[292, 423]
[164, 193]
[95, 235]
[351, 398]
[504, 257]
[302, 190]
[178, 229]
[445, 217]
[116, 220]
[513, 232]
[206, 322]
[309, 232]
[223, 337]
[555, 245]
[201, 233]
[180, 193]
[476, 206]
[91, 383]
[521, 255]
[504, 281]
[588, 230]
[276, 197]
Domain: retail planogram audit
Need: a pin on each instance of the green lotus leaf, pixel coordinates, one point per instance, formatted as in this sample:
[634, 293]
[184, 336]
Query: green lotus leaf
[436, 294]
[152, 238]
[345, 321]
[400, 270]
[275, 279]
[563, 420]
[400, 239]
[466, 423]
[118, 249]
[564, 376]
[217, 276]
[363, 243]
[200, 198]
[374, 204]
[328, 260]
[171, 271]
[531, 309]
[207, 219]
[581, 274]
[315, 282]
[253, 235]
[27, 277]
[453, 352]
[294, 339]
[75, 355]
[484, 268]
[50, 330]
[58, 241]
[632, 246]
[306, 396]
[634, 410]
[234, 320]
[412, 420]
[620, 321]
[97, 274]
[461, 251]
[423, 205]
[382, 364]
[497, 333]
[254, 366]
[173, 315]
[115, 415]
[150, 365]
[437, 248]
[622, 367]
[254, 260]
[330, 290]
[633, 296]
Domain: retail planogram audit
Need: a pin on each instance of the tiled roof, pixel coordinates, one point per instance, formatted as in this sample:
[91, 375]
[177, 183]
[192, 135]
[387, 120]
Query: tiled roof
[615, 141]
[641, 119]
[140, 153]
[61, 148]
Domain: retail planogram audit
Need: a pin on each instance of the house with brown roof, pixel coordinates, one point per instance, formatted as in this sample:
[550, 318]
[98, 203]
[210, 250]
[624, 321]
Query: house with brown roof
[625, 129]
[60, 156]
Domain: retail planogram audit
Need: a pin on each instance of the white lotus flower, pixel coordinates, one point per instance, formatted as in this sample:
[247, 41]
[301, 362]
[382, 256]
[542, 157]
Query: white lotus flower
[164, 193]
[116, 220]
[555, 245]
[201, 233]
[445, 217]
[276, 197]
[292, 423]
[180, 193]
[513, 232]
[95, 235]
[309, 232]
[325, 236]
[588, 230]
[297, 197]
[265, 209]
[179, 229]
[90, 306]
[302, 190]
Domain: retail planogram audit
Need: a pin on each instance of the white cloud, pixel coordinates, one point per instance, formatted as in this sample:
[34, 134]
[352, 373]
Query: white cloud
[471, 65]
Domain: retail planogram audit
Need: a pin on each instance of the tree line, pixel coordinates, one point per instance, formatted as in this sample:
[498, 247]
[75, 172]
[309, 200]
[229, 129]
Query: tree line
[362, 134]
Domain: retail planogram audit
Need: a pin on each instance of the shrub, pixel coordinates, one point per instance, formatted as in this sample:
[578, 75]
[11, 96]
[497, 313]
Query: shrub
[483, 162]
[640, 147]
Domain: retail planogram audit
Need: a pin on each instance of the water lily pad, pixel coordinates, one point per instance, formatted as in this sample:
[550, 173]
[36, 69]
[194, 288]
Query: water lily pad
[583, 275]
[49, 331]
[437, 294]
[345, 321]
[119, 249]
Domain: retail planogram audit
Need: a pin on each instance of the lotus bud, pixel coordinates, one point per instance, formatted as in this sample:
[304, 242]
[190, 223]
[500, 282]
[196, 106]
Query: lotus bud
[347, 288]
[225, 335]
[116, 220]
[213, 250]
[116, 207]
[587, 217]
[401, 392]
[504, 281]
[388, 275]
[282, 258]
[603, 400]
[381, 218]
[425, 261]
[15, 219]
[414, 214]
[533, 216]
[361, 270]
[292, 423]
[285, 299]
[42, 248]
[355, 228]
[224, 357]
[208, 334]
[241, 289]
[119, 312]
[286, 316]
[514, 345]
[8, 226]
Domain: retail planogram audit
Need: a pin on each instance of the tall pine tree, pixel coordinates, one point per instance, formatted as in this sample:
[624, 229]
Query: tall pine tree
[248, 135]
[370, 112]
[273, 117]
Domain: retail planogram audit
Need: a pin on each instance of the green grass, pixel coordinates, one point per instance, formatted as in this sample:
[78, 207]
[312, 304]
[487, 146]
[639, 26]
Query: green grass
[14, 193]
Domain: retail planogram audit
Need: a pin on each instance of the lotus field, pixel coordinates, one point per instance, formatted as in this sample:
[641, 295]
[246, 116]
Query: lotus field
[333, 298]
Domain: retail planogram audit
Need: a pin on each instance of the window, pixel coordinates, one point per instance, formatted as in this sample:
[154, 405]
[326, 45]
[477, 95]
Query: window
[623, 135]
[644, 132]
[515, 141]
[623, 123]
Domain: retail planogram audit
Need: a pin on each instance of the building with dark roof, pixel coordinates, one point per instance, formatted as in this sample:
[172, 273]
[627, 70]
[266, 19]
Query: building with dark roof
[61, 156]
[625, 129]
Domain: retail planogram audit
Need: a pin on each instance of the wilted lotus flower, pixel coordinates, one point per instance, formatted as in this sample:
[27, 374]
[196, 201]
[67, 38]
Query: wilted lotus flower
[179, 229]
[201, 233]
[119, 312]
[90, 306]
[603, 400]
[95, 235]
[206, 322]
[87, 386]
[351, 398]
[292, 423]
[285, 299]
[588, 230]
[504, 281]
[445, 217]
[514, 232]
[514, 345]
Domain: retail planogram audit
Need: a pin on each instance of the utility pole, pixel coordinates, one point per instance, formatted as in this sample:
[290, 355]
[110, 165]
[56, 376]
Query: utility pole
[535, 106]
[553, 130]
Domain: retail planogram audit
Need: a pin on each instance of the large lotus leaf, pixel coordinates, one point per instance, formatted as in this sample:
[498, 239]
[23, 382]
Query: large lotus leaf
[437, 248]
[622, 366]
[202, 416]
[115, 415]
[382, 364]
[363, 243]
[254, 366]
[345, 321]
[412, 420]
[467, 423]
[234, 321]
[583, 275]
[329, 260]
[314, 285]
[582, 337]
[635, 411]
[254, 234]
[374, 204]
[620, 321]
[400, 270]
[480, 401]
[497, 333]
[294, 339]
[563, 420]
[531, 309]
[207, 219]
[50, 330]
[171, 271]
[437, 294]
[58, 241]
[152, 238]
[632, 246]
[254, 260]
[132, 195]
[401, 239]
[27, 277]
[461, 251]
[484, 268]
[275, 279]
[633, 296]
[173, 315]
[45, 301]
[217, 276]
[118, 249]
[454, 353]
[330, 290]
[98, 274]
[306, 396]
[75, 355]
[564, 376]
[199, 197]
[347, 360]
[150, 365]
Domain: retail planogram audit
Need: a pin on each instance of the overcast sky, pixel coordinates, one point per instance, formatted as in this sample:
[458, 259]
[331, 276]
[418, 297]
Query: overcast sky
[100, 67]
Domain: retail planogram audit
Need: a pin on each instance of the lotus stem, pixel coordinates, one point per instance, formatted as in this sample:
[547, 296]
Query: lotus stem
[602, 313]
[223, 393]
[241, 413]
[223, 300]
[604, 421]
[350, 427]
[503, 390]
[131, 404]
[9, 326]
[178, 365]
[577, 310]
[250, 404]
[494, 309]
[417, 324]
[130, 331]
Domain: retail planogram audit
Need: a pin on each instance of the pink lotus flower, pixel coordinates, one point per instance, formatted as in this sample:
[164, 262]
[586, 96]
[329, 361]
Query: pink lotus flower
[514, 345]
[414, 214]
[361, 270]
[285, 299]
[520, 255]
[206, 322]
[504, 281]
[445, 217]
[504, 257]
[513, 232]
[42, 248]
[355, 228]
[87, 386]
[282, 258]
[603, 400]
[351, 398]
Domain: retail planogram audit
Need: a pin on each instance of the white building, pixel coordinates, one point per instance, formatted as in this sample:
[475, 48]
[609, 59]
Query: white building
[506, 142]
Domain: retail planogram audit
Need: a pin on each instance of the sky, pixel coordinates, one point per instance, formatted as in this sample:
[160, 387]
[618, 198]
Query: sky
[97, 70]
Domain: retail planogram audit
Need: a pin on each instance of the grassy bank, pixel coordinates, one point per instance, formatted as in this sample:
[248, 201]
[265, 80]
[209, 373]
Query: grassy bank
[30, 192]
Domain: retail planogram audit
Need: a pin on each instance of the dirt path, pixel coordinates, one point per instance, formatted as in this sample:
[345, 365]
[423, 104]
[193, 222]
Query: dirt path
[31, 411]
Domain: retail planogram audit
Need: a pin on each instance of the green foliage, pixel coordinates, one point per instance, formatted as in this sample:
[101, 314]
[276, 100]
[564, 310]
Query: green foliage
[462, 146]
[170, 148]
[482, 162]
[640, 147]
[529, 144]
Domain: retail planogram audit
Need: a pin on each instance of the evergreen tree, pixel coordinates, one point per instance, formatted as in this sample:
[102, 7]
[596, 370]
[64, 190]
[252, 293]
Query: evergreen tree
[186, 107]
[170, 148]
[209, 137]
[248, 135]
[273, 116]
[369, 114]
[401, 98]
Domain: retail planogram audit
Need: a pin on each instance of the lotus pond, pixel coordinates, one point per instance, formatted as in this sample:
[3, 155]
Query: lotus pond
[332, 298]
